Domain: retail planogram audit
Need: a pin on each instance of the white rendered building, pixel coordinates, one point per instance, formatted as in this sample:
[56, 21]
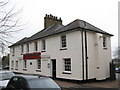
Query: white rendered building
[77, 51]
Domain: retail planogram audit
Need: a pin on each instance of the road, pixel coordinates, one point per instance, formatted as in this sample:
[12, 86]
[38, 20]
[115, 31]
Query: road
[118, 78]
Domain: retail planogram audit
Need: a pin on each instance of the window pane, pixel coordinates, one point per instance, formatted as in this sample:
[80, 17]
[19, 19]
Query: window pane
[25, 63]
[13, 51]
[36, 46]
[39, 64]
[27, 47]
[22, 49]
[43, 45]
[16, 64]
[12, 63]
[67, 64]
[63, 41]
[104, 41]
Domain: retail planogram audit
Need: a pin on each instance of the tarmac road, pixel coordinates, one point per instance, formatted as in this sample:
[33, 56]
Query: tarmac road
[118, 78]
[110, 84]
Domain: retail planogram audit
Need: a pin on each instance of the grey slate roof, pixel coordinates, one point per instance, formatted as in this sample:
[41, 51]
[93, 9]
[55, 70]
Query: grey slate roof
[57, 28]
[20, 42]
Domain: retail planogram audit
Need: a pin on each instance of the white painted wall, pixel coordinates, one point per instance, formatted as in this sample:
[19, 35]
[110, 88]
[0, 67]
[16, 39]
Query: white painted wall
[104, 57]
[97, 56]
[73, 51]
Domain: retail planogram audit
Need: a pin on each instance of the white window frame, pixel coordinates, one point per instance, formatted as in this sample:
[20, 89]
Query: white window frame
[12, 64]
[63, 41]
[36, 46]
[39, 64]
[104, 42]
[22, 48]
[25, 63]
[27, 47]
[43, 45]
[13, 51]
[16, 64]
[67, 65]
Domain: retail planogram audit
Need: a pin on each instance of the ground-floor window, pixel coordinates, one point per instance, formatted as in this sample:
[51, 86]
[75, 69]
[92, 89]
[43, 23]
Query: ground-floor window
[16, 64]
[67, 64]
[25, 64]
[38, 64]
[12, 65]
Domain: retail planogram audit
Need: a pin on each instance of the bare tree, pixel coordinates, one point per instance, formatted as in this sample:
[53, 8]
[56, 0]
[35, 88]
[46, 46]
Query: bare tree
[117, 53]
[116, 59]
[8, 23]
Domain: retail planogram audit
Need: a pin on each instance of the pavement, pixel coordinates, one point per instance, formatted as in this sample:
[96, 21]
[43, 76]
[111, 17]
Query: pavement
[96, 84]
[102, 84]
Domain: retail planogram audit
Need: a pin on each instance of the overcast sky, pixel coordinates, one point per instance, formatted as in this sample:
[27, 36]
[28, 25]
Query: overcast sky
[100, 13]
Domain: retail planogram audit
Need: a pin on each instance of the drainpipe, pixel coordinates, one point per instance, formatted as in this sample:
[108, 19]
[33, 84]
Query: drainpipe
[86, 56]
[82, 55]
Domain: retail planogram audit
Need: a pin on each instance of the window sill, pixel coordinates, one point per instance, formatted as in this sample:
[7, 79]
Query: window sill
[105, 48]
[38, 70]
[63, 48]
[66, 72]
[25, 69]
[43, 51]
[16, 69]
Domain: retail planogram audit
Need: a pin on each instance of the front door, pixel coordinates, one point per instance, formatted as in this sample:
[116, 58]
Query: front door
[54, 68]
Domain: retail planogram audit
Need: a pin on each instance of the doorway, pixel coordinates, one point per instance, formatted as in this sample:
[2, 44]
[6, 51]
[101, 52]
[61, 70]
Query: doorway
[54, 68]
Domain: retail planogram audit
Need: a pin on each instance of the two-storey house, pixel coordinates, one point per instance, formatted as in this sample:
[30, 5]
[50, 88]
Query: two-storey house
[77, 51]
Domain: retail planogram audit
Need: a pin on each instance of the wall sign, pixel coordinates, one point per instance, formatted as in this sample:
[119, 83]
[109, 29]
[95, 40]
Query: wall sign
[45, 57]
[35, 55]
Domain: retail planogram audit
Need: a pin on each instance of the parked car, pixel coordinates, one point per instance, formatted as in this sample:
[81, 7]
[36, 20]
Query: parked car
[32, 82]
[5, 77]
[117, 70]
[6, 68]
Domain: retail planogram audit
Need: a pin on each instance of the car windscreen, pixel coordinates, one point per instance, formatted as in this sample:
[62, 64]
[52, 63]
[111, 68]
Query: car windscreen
[42, 83]
[6, 75]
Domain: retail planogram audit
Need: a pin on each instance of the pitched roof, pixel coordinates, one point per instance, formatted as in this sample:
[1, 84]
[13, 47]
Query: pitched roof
[80, 24]
[20, 42]
[58, 28]
[46, 32]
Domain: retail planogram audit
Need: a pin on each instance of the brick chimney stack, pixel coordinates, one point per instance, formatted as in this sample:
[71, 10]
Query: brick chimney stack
[50, 20]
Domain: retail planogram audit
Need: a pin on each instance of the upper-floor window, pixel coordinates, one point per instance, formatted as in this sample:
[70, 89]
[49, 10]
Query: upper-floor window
[22, 49]
[16, 64]
[43, 45]
[36, 46]
[104, 42]
[63, 41]
[27, 47]
[13, 51]
[12, 64]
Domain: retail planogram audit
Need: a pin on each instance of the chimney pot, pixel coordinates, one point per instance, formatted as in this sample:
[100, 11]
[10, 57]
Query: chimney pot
[55, 17]
[60, 18]
[50, 15]
[45, 15]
